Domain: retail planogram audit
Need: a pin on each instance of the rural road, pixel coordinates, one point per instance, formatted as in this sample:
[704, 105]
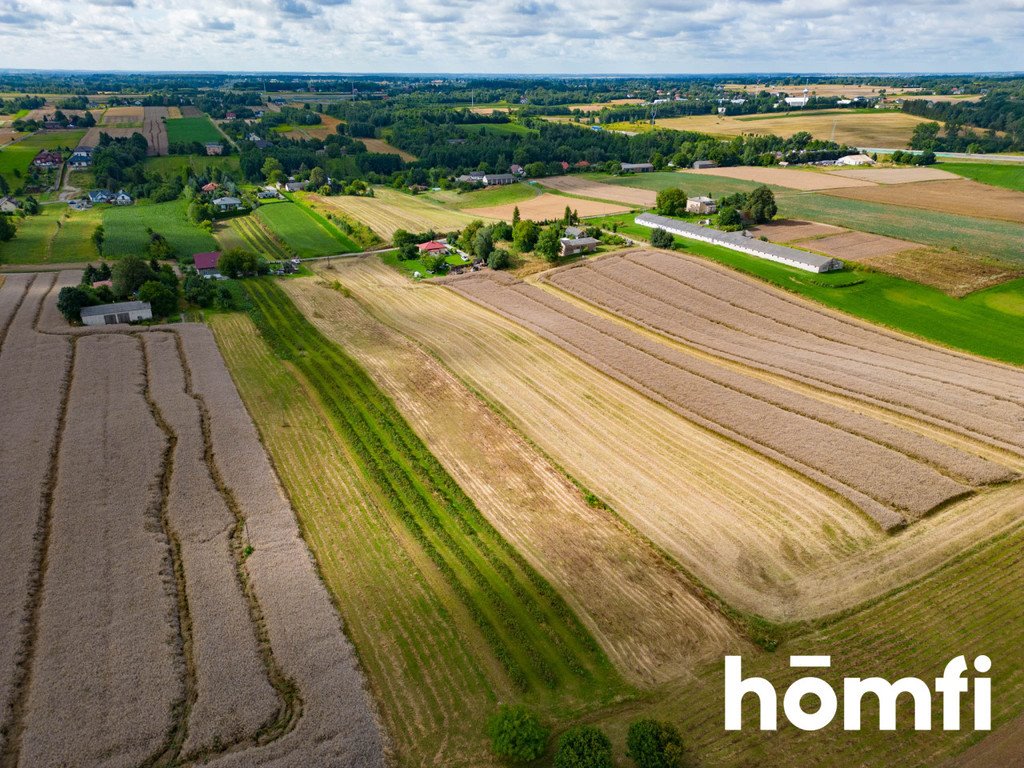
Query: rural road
[951, 155]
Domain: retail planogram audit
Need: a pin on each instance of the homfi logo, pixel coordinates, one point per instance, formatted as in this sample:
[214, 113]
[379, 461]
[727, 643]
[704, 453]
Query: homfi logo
[951, 686]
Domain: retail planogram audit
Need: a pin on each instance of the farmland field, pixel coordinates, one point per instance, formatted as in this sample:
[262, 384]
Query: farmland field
[498, 128]
[546, 207]
[154, 128]
[125, 229]
[864, 129]
[257, 236]
[585, 187]
[986, 322]
[791, 178]
[961, 197]
[57, 235]
[201, 165]
[390, 209]
[160, 606]
[1008, 176]
[508, 193]
[382, 147]
[185, 130]
[301, 232]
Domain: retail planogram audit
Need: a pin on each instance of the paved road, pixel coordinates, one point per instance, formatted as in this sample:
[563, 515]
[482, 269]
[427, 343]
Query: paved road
[951, 155]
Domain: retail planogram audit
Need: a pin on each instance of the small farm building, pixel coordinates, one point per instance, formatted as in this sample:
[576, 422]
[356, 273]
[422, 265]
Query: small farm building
[637, 167]
[80, 158]
[214, 148]
[224, 204]
[206, 263]
[701, 205]
[8, 205]
[122, 198]
[499, 179]
[123, 312]
[809, 262]
[855, 160]
[574, 232]
[700, 165]
[47, 159]
[574, 245]
[213, 186]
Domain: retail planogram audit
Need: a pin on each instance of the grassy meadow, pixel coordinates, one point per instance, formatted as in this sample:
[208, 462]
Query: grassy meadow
[306, 232]
[174, 164]
[57, 235]
[1008, 175]
[183, 130]
[125, 229]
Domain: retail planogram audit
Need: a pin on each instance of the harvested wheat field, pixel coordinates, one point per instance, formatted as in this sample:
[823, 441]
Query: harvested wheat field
[382, 147]
[577, 185]
[897, 175]
[191, 111]
[893, 475]
[547, 207]
[122, 117]
[857, 246]
[390, 209]
[135, 629]
[640, 608]
[792, 178]
[154, 128]
[794, 230]
[683, 487]
[746, 321]
[961, 197]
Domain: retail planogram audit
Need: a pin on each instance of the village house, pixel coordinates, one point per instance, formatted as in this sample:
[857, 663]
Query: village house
[100, 196]
[214, 148]
[206, 263]
[122, 312]
[8, 205]
[701, 204]
[224, 204]
[574, 232]
[637, 167]
[433, 248]
[499, 179]
[700, 165]
[81, 158]
[47, 159]
[213, 186]
[516, 170]
[268, 193]
[571, 246]
[122, 198]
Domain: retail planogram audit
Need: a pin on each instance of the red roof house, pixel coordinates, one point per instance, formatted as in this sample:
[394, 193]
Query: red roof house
[433, 246]
[565, 166]
[207, 261]
[213, 186]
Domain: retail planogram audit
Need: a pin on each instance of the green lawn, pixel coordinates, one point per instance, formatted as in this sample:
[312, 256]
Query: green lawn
[201, 165]
[304, 231]
[125, 228]
[989, 322]
[499, 128]
[411, 266]
[57, 235]
[509, 193]
[1007, 175]
[184, 130]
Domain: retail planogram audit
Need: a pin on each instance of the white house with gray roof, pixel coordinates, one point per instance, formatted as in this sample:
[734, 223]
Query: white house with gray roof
[122, 312]
[735, 241]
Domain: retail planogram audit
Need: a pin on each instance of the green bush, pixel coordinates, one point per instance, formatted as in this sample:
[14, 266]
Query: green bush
[517, 733]
[654, 744]
[584, 746]
[662, 238]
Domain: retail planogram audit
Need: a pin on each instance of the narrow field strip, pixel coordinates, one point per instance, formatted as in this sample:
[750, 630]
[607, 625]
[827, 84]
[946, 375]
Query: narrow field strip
[232, 698]
[648, 620]
[33, 379]
[529, 628]
[779, 423]
[108, 600]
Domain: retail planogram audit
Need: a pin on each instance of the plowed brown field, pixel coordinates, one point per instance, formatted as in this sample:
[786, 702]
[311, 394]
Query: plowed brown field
[577, 185]
[961, 197]
[547, 207]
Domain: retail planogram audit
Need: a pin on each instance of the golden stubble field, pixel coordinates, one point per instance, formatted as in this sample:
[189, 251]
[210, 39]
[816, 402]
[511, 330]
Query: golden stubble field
[783, 546]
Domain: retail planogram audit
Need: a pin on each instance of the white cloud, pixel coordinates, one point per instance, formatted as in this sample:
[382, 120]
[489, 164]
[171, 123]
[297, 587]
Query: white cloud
[506, 36]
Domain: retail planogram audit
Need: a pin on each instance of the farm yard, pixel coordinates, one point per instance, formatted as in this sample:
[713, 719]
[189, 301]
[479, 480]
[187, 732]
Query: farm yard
[160, 603]
[389, 210]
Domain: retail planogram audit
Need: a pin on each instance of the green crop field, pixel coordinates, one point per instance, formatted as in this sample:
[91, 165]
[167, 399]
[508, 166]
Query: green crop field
[256, 237]
[173, 164]
[989, 322]
[57, 235]
[499, 128]
[125, 229]
[982, 237]
[418, 572]
[304, 231]
[184, 130]
[481, 198]
[1008, 175]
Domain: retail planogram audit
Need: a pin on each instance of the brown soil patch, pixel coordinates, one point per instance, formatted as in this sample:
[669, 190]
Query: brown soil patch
[577, 185]
[155, 129]
[897, 175]
[785, 177]
[858, 245]
[190, 111]
[382, 147]
[792, 230]
[122, 117]
[961, 197]
[957, 274]
[547, 207]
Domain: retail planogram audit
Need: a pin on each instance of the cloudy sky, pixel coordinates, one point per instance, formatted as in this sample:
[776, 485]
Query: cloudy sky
[514, 36]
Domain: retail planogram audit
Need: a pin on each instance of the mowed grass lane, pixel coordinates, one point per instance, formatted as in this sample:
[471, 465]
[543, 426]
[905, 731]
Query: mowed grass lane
[419, 652]
[988, 323]
[301, 231]
[529, 629]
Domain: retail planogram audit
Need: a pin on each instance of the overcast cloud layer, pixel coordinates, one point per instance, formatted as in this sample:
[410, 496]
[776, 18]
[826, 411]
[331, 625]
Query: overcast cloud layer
[514, 36]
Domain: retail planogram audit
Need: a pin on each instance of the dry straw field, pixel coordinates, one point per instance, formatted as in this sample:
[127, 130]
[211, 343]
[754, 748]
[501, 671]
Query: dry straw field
[547, 207]
[390, 209]
[577, 185]
[960, 197]
[159, 603]
[689, 488]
